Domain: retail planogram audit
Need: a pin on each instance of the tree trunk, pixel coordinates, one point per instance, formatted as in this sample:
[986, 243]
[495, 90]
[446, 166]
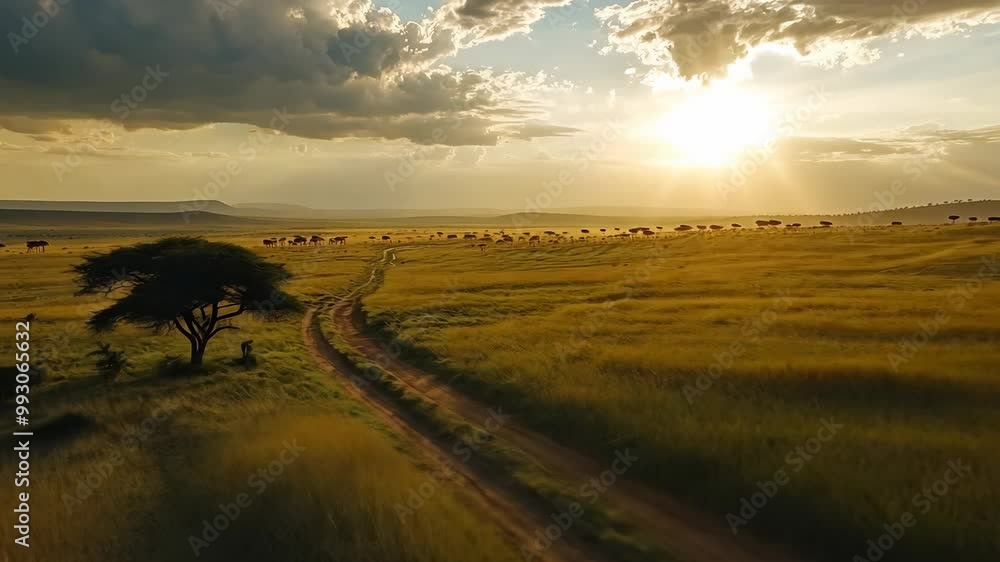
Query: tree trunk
[197, 353]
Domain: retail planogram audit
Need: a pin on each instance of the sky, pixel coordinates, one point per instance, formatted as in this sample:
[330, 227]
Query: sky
[736, 105]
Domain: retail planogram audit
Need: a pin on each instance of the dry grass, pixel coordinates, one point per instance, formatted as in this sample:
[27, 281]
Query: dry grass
[595, 344]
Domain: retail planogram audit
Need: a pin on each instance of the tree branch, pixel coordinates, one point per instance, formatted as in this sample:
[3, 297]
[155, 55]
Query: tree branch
[232, 314]
[220, 328]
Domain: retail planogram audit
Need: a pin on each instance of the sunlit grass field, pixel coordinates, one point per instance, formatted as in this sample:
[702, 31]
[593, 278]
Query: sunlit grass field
[148, 458]
[715, 356]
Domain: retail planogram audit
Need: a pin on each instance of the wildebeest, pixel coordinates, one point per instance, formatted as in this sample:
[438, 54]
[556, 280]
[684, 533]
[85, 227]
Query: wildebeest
[386, 238]
[36, 245]
[762, 223]
[993, 219]
[536, 239]
[469, 237]
[268, 243]
[897, 223]
[825, 224]
[736, 225]
[482, 247]
[316, 240]
[683, 228]
[452, 237]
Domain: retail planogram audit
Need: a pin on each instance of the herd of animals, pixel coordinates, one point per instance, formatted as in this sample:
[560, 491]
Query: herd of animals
[549, 236]
[315, 240]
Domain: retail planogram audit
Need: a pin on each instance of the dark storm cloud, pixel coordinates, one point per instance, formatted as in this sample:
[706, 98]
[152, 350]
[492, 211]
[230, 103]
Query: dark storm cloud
[701, 37]
[340, 68]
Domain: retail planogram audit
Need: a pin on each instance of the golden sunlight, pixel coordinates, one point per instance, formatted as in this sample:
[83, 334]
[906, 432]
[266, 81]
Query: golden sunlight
[715, 125]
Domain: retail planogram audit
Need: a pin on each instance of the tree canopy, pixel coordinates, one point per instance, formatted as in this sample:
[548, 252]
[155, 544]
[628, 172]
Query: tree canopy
[187, 283]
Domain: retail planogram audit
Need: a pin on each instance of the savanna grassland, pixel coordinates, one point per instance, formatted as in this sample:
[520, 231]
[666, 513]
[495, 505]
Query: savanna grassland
[130, 469]
[719, 356]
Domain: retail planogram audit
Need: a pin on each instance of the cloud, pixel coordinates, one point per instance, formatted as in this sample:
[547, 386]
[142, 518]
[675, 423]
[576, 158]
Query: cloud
[701, 38]
[928, 141]
[487, 20]
[532, 130]
[340, 69]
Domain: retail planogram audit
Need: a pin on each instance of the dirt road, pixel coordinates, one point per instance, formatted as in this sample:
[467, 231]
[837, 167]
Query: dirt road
[689, 536]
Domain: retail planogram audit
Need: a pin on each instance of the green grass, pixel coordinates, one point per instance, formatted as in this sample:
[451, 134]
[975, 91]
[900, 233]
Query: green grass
[335, 502]
[595, 344]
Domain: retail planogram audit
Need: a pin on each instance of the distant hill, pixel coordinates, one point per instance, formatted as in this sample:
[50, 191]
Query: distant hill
[219, 213]
[90, 219]
[163, 207]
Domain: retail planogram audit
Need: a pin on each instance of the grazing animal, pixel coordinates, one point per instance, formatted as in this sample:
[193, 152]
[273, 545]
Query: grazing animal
[386, 238]
[897, 223]
[282, 240]
[247, 349]
[774, 222]
[469, 237]
[762, 223]
[702, 227]
[716, 227]
[825, 224]
[973, 219]
[482, 247]
[683, 228]
[953, 218]
[585, 231]
[452, 237]
[993, 219]
[536, 239]
[736, 225]
[268, 243]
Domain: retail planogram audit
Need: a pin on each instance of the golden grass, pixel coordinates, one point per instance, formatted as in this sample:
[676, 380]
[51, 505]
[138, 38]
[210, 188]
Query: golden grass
[595, 344]
[181, 445]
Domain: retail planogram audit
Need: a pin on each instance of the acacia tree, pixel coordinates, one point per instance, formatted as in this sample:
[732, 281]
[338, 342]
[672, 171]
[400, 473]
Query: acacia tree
[184, 283]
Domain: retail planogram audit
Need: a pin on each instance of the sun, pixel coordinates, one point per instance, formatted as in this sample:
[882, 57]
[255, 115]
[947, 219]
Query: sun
[715, 125]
